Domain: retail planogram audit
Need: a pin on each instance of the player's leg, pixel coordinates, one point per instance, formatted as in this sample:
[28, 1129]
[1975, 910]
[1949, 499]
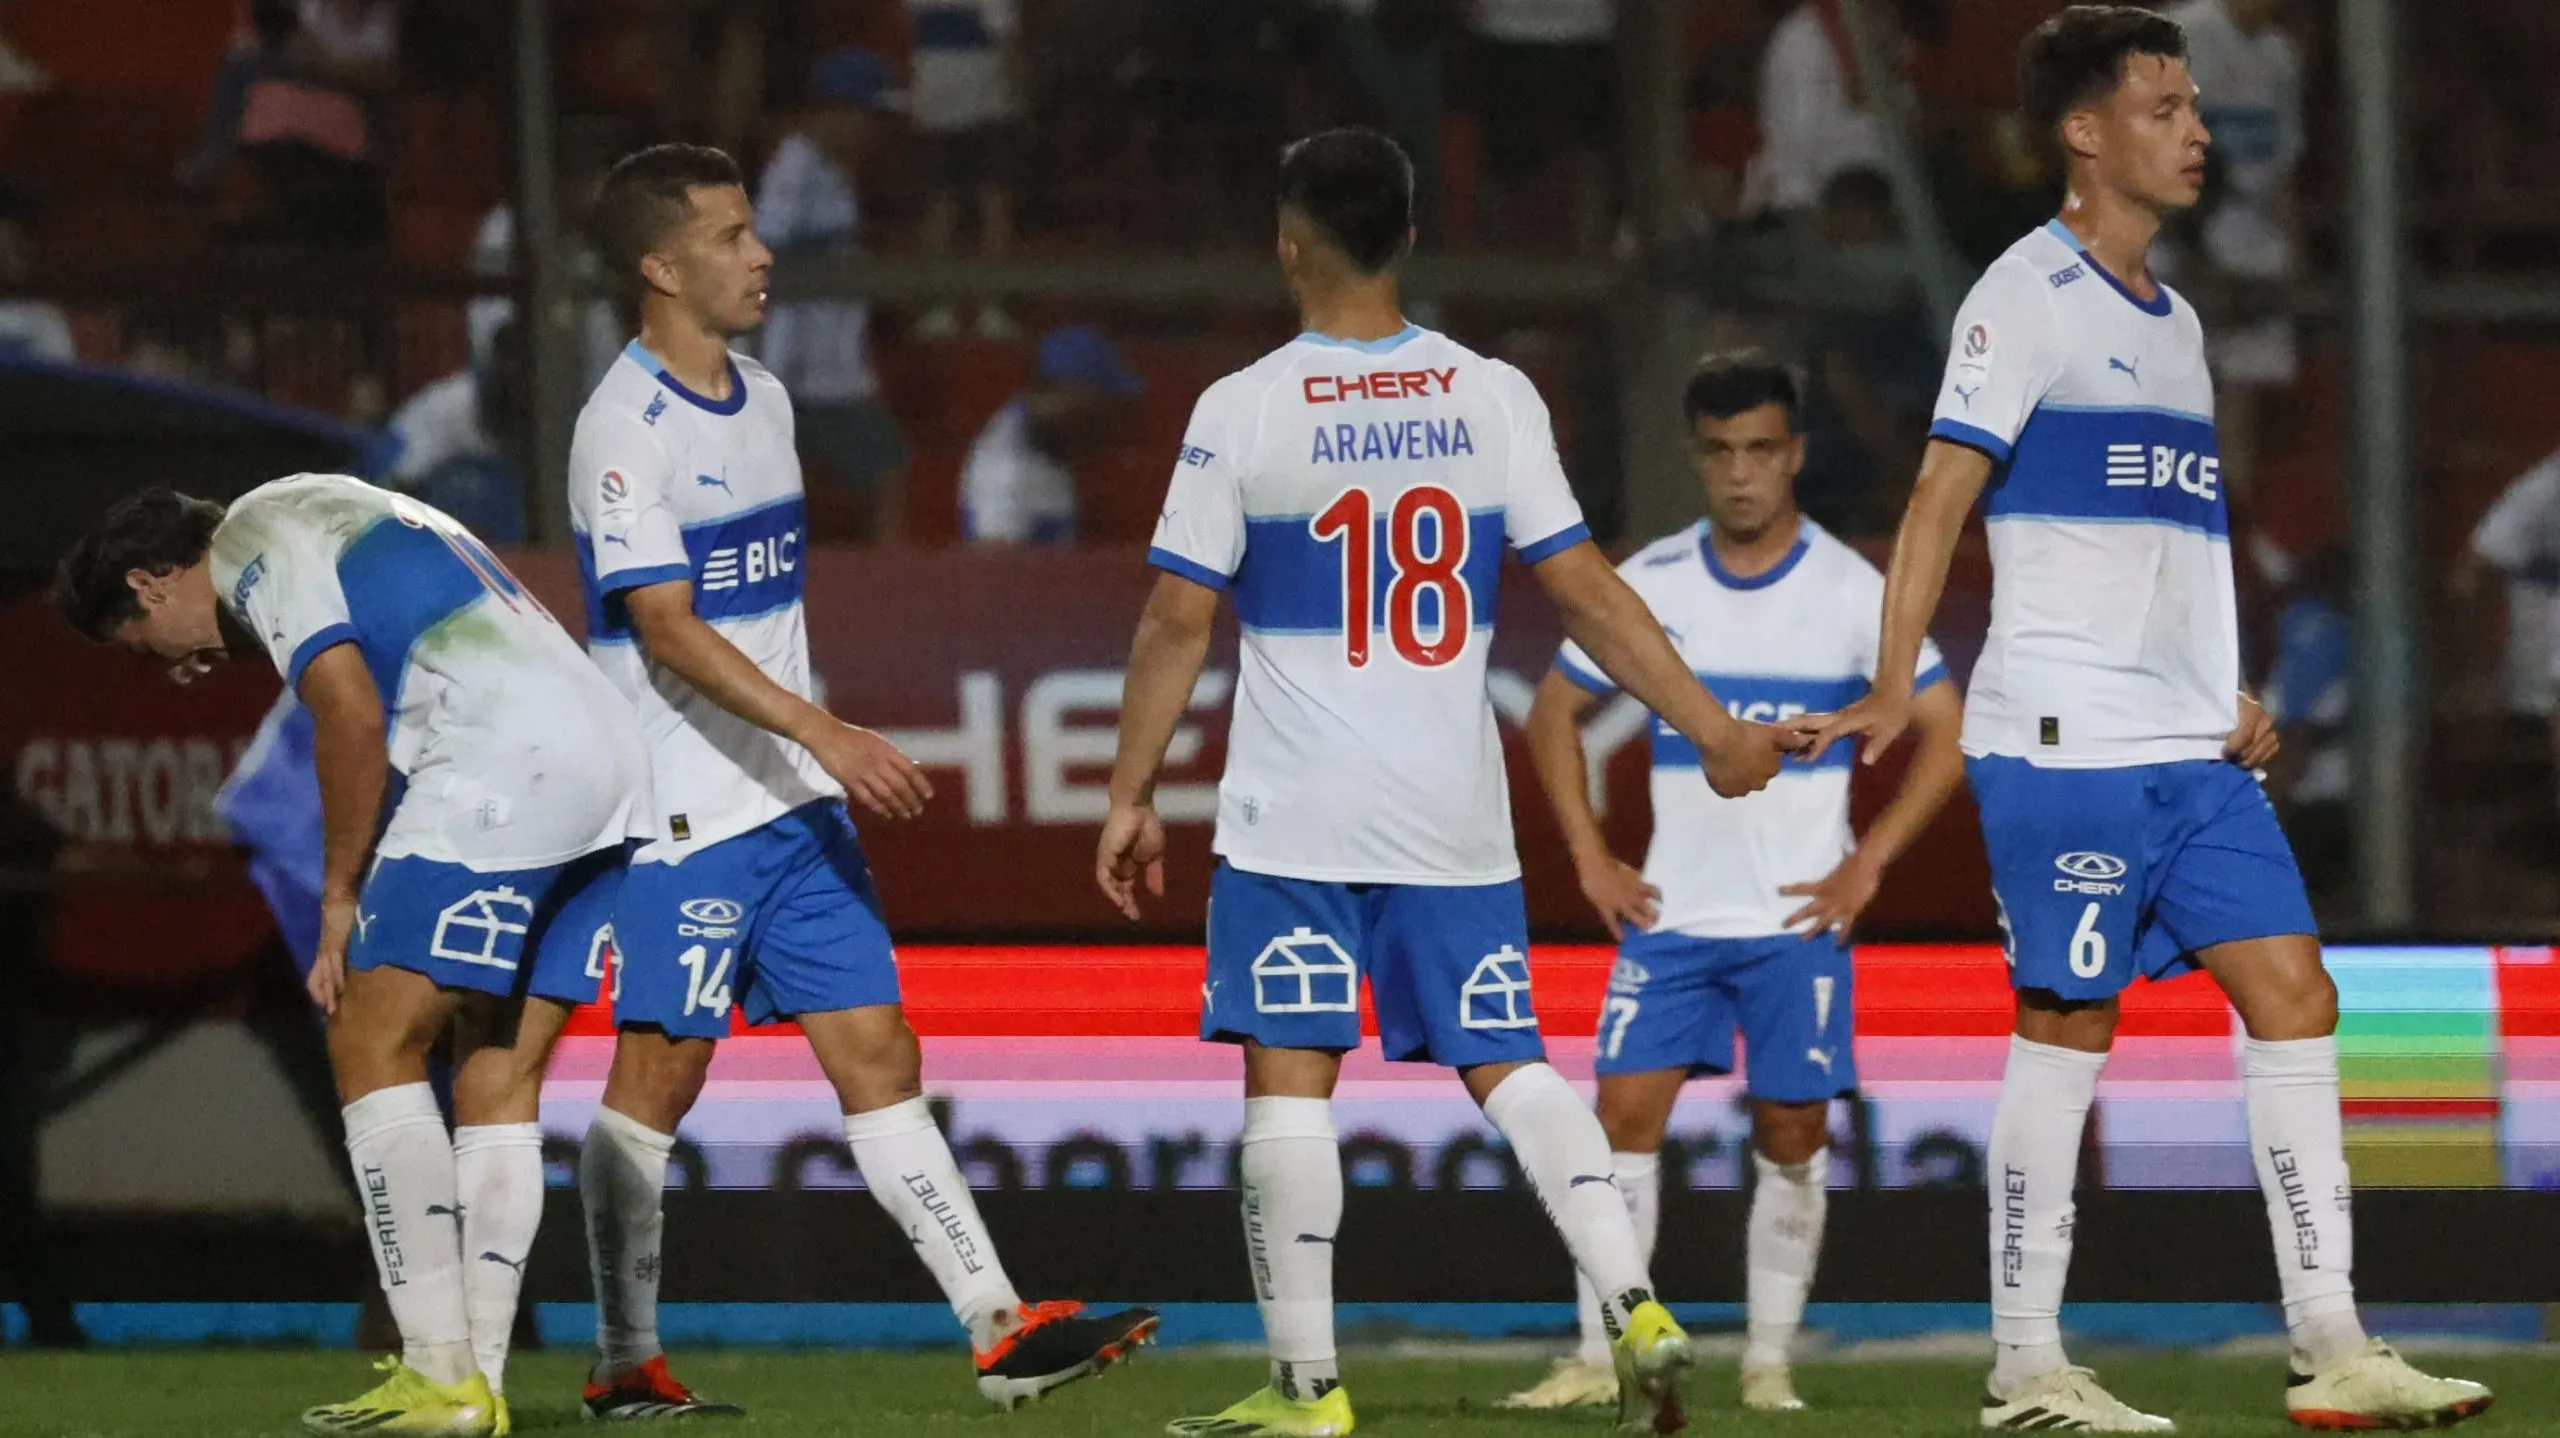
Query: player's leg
[500, 1047]
[2068, 871]
[1450, 978]
[2233, 894]
[671, 974]
[1284, 982]
[1795, 996]
[819, 952]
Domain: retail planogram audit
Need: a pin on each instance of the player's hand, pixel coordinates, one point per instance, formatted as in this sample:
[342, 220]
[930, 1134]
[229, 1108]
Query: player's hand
[1617, 889]
[873, 771]
[1834, 902]
[1879, 719]
[1132, 845]
[2254, 743]
[1744, 758]
[329, 965]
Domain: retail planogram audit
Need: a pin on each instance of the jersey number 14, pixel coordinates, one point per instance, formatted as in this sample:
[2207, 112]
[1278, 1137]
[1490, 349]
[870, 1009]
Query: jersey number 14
[1351, 519]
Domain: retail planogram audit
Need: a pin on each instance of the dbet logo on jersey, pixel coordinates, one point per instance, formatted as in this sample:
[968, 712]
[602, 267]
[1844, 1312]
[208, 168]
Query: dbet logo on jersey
[2088, 872]
[710, 918]
[1304, 972]
[2157, 466]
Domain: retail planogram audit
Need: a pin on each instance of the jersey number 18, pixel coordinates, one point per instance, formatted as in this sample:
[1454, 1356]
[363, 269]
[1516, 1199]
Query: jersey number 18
[1351, 519]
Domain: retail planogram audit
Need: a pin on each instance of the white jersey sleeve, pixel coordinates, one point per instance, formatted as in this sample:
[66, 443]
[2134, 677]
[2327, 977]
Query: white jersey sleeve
[287, 589]
[1200, 534]
[2520, 534]
[1540, 516]
[2006, 355]
[619, 485]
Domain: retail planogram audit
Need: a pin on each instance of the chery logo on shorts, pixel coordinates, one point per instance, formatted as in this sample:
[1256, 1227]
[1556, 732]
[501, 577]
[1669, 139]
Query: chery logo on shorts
[712, 918]
[2090, 873]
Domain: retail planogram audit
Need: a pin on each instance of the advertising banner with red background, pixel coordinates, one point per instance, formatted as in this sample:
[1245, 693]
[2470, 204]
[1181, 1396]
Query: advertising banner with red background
[999, 670]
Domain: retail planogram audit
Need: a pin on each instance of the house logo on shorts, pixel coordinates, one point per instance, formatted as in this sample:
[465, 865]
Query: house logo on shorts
[476, 928]
[2089, 872]
[1304, 972]
[1496, 995]
[710, 918]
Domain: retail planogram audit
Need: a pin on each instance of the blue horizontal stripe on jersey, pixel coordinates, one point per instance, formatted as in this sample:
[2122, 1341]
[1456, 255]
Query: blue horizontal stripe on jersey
[1191, 569]
[1971, 437]
[1541, 550]
[2124, 466]
[1766, 699]
[400, 581]
[1291, 581]
[749, 563]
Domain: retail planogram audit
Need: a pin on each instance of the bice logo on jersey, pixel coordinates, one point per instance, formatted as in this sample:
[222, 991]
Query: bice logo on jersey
[753, 562]
[2158, 466]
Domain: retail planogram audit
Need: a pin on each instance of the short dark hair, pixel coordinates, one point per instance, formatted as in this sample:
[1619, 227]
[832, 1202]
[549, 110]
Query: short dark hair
[1355, 185]
[156, 530]
[1725, 385]
[2079, 55]
[645, 196]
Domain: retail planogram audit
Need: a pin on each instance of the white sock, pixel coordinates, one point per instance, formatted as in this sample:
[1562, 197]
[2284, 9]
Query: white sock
[404, 1170]
[1639, 1177]
[910, 1171]
[1783, 1241]
[2300, 1144]
[1292, 1173]
[1563, 1150]
[622, 1183]
[2034, 1160]
[497, 1169]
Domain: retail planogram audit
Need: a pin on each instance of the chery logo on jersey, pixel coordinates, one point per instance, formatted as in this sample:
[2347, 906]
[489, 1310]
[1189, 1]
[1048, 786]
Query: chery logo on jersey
[2089, 872]
[711, 918]
[2157, 466]
[1380, 384]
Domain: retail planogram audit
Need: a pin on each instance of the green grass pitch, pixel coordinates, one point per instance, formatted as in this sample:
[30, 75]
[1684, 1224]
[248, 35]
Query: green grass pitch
[253, 1394]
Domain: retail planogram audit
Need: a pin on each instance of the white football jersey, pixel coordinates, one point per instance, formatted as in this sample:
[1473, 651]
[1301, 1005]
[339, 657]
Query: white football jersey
[1357, 498]
[516, 752]
[2114, 639]
[665, 484]
[1798, 639]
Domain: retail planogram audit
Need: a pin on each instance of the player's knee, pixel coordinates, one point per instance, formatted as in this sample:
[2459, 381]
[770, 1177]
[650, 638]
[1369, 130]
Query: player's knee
[2045, 1017]
[2298, 1002]
[1790, 1133]
[883, 1066]
[655, 1078]
[1634, 1118]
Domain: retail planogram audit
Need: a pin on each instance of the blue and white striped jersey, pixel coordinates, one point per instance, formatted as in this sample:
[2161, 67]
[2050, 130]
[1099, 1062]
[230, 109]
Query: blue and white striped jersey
[666, 484]
[2114, 634]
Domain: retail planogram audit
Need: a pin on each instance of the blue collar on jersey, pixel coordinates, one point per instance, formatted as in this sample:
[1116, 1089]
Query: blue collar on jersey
[736, 401]
[1776, 572]
[1374, 347]
[2156, 306]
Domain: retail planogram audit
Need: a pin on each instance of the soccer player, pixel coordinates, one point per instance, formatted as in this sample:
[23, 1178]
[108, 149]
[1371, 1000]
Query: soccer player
[685, 496]
[1356, 490]
[2107, 741]
[442, 695]
[1742, 913]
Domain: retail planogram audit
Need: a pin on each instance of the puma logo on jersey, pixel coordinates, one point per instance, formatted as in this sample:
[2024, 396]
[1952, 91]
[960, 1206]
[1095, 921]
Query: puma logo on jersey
[2132, 370]
[718, 482]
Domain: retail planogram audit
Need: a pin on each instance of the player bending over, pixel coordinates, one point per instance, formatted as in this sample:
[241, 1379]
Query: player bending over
[1356, 490]
[2108, 743]
[684, 492]
[511, 773]
[1741, 916]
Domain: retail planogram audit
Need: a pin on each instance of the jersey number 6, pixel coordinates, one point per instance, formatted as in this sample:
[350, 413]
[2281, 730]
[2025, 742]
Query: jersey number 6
[1351, 519]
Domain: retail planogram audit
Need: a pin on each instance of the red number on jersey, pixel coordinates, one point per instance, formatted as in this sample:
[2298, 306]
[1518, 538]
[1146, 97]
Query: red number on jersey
[1415, 573]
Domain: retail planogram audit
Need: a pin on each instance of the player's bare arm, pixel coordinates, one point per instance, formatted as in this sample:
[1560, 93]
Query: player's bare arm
[2255, 740]
[1834, 902]
[869, 767]
[1164, 662]
[354, 763]
[1952, 477]
[1621, 635]
[1615, 887]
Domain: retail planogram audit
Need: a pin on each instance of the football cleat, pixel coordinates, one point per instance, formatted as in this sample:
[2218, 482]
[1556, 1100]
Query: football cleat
[1653, 1359]
[502, 1420]
[2374, 1387]
[1572, 1383]
[1268, 1415]
[2068, 1400]
[647, 1393]
[408, 1402]
[1057, 1344]
[1769, 1389]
